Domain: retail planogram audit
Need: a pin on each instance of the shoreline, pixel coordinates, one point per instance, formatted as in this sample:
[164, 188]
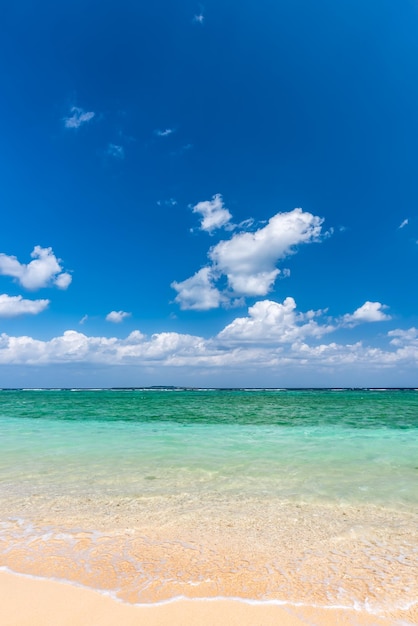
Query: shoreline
[279, 511]
[26, 600]
[293, 556]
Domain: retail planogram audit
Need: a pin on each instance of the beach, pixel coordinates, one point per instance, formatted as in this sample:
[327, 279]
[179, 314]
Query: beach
[208, 507]
[209, 313]
[30, 602]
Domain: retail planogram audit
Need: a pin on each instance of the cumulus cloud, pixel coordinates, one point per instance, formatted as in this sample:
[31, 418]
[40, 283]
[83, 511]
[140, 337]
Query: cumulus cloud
[368, 312]
[117, 316]
[404, 223]
[44, 271]
[115, 151]
[12, 306]
[78, 117]
[272, 321]
[198, 292]
[214, 213]
[241, 345]
[402, 337]
[63, 280]
[249, 260]
[75, 347]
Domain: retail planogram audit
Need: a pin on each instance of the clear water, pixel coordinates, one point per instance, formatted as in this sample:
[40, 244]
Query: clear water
[337, 470]
[355, 446]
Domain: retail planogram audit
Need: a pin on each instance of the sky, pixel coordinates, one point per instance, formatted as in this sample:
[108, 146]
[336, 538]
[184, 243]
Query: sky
[209, 194]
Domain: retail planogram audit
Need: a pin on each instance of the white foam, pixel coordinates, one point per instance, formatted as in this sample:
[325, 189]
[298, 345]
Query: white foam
[356, 606]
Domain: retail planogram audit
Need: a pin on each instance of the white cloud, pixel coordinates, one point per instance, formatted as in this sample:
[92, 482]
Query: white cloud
[368, 312]
[115, 151]
[249, 259]
[214, 213]
[199, 19]
[76, 347]
[45, 270]
[11, 306]
[84, 319]
[117, 316]
[164, 133]
[248, 223]
[402, 337]
[404, 223]
[197, 292]
[63, 280]
[269, 321]
[241, 346]
[78, 117]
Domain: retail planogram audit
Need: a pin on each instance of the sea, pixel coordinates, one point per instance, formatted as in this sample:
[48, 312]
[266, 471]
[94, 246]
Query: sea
[294, 496]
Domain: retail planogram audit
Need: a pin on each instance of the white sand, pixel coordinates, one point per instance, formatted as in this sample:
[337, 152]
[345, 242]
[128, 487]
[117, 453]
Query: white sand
[27, 601]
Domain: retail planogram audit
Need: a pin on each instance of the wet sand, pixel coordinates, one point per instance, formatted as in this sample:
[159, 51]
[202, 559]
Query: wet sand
[312, 555]
[27, 601]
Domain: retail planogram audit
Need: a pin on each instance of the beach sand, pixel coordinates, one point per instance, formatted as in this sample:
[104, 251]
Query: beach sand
[314, 559]
[26, 601]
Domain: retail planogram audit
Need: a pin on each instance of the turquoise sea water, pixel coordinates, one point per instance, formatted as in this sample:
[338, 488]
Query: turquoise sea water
[325, 480]
[356, 446]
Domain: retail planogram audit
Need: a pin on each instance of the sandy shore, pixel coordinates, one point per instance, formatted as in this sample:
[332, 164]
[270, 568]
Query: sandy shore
[292, 553]
[26, 601]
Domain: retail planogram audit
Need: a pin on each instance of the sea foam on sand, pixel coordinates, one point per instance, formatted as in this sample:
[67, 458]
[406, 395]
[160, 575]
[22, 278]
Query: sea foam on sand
[27, 601]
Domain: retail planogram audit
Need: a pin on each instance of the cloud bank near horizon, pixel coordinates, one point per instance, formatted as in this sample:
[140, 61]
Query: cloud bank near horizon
[273, 335]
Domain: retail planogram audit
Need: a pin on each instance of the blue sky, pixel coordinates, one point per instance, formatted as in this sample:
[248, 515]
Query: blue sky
[219, 193]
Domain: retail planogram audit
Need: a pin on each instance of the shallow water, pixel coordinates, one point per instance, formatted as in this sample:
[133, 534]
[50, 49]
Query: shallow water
[291, 495]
